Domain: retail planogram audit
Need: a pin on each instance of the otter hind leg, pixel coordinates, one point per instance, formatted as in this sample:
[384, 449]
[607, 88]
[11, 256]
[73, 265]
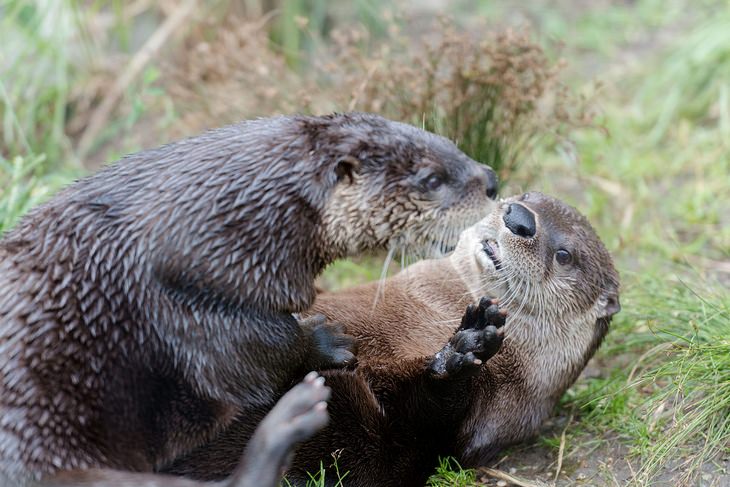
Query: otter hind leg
[299, 414]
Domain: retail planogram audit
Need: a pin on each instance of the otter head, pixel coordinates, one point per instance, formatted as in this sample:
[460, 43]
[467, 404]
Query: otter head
[543, 259]
[551, 272]
[400, 187]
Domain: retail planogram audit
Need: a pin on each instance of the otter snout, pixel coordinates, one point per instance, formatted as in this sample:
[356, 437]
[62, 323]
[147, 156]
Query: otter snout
[480, 178]
[491, 182]
[520, 220]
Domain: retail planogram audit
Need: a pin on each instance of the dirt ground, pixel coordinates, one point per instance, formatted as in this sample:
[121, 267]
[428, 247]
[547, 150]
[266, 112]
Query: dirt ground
[587, 459]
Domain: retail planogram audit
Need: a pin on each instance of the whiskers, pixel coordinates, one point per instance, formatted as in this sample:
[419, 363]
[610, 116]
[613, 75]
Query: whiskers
[406, 255]
[518, 291]
[525, 295]
[436, 239]
[440, 236]
[380, 292]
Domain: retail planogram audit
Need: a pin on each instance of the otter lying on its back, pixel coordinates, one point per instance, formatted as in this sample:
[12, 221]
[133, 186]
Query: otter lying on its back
[390, 418]
[145, 307]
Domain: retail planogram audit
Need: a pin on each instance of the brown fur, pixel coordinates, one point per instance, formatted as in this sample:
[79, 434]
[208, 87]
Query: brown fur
[144, 307]
[390, 419]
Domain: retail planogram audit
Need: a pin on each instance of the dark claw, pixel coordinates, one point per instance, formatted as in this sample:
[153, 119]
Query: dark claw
[470, 317]
[485, 314]
[485, 302]
[494, 316]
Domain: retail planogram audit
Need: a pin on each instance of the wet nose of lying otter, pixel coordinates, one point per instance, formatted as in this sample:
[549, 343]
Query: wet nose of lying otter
[491, 182]
[519, 220]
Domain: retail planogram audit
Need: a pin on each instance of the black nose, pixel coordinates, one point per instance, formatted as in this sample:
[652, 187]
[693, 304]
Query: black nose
[519, 220]
[491, 182]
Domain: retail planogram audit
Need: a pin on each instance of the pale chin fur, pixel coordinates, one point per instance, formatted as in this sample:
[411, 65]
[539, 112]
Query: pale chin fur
[478, 265]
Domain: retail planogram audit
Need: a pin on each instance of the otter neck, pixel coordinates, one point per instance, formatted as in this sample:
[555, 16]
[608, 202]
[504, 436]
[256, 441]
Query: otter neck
[346, 218]
[552, 353]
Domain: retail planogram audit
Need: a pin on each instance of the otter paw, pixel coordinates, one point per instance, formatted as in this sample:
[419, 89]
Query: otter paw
[478, 338]
[330, 346]
[486, 313]
[298, 415]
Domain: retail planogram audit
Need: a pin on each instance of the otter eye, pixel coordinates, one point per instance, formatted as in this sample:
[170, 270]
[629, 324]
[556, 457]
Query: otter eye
[432, 182]
[563, 257]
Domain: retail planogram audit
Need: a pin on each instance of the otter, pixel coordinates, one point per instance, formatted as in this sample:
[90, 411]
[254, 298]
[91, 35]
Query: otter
[295, 417]
[390, 421]
[145, 307]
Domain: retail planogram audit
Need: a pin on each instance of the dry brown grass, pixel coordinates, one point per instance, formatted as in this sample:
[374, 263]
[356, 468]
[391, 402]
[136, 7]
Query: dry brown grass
[234, 74]
[495, 94]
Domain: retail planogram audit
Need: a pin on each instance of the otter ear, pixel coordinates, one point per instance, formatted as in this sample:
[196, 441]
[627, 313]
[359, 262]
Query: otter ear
[611, 304]
[346, 168]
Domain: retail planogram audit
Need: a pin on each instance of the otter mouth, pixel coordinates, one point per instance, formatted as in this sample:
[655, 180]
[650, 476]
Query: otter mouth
[491, 248]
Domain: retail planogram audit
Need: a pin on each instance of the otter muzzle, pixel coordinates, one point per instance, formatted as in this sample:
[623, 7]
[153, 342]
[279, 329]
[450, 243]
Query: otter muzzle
[520, 220]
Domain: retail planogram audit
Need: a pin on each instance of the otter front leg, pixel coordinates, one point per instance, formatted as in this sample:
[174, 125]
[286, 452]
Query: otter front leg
[478, 338]
[392, 419]
[446, 377]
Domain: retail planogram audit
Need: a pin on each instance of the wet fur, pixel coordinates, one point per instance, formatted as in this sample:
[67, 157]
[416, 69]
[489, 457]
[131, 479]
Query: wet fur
[387, 427]
[144, 307]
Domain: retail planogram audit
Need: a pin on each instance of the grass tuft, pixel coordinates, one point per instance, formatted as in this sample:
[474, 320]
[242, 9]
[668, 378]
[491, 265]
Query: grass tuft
[496, 95]
[450, 474]
[671, 403]
[692, 378]
[24, 184]
[319, 478]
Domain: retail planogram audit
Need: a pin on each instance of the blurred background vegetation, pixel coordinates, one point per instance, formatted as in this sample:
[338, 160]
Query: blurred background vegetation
[620, 107]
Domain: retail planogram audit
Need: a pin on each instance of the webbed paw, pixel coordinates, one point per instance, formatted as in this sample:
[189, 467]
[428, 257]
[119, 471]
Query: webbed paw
[478, 338]
[331, 347]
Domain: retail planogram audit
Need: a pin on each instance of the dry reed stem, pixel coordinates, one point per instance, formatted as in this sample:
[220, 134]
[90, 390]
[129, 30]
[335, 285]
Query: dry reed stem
[101, 114]
[513, 479]
[561, 450]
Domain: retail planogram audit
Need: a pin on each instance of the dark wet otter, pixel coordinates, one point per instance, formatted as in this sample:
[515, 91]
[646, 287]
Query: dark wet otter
[389, 424]
[296, 416]
[144, 307]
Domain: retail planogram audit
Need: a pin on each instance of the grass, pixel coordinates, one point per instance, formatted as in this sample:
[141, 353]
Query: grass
[650, 170]
[496, 97]
[37, 72]
[450, 474]
[319, 479]
[671, 403]
[24, 184]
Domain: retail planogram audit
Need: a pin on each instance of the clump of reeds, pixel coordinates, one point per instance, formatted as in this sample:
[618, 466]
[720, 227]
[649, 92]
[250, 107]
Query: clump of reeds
[494, 94]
